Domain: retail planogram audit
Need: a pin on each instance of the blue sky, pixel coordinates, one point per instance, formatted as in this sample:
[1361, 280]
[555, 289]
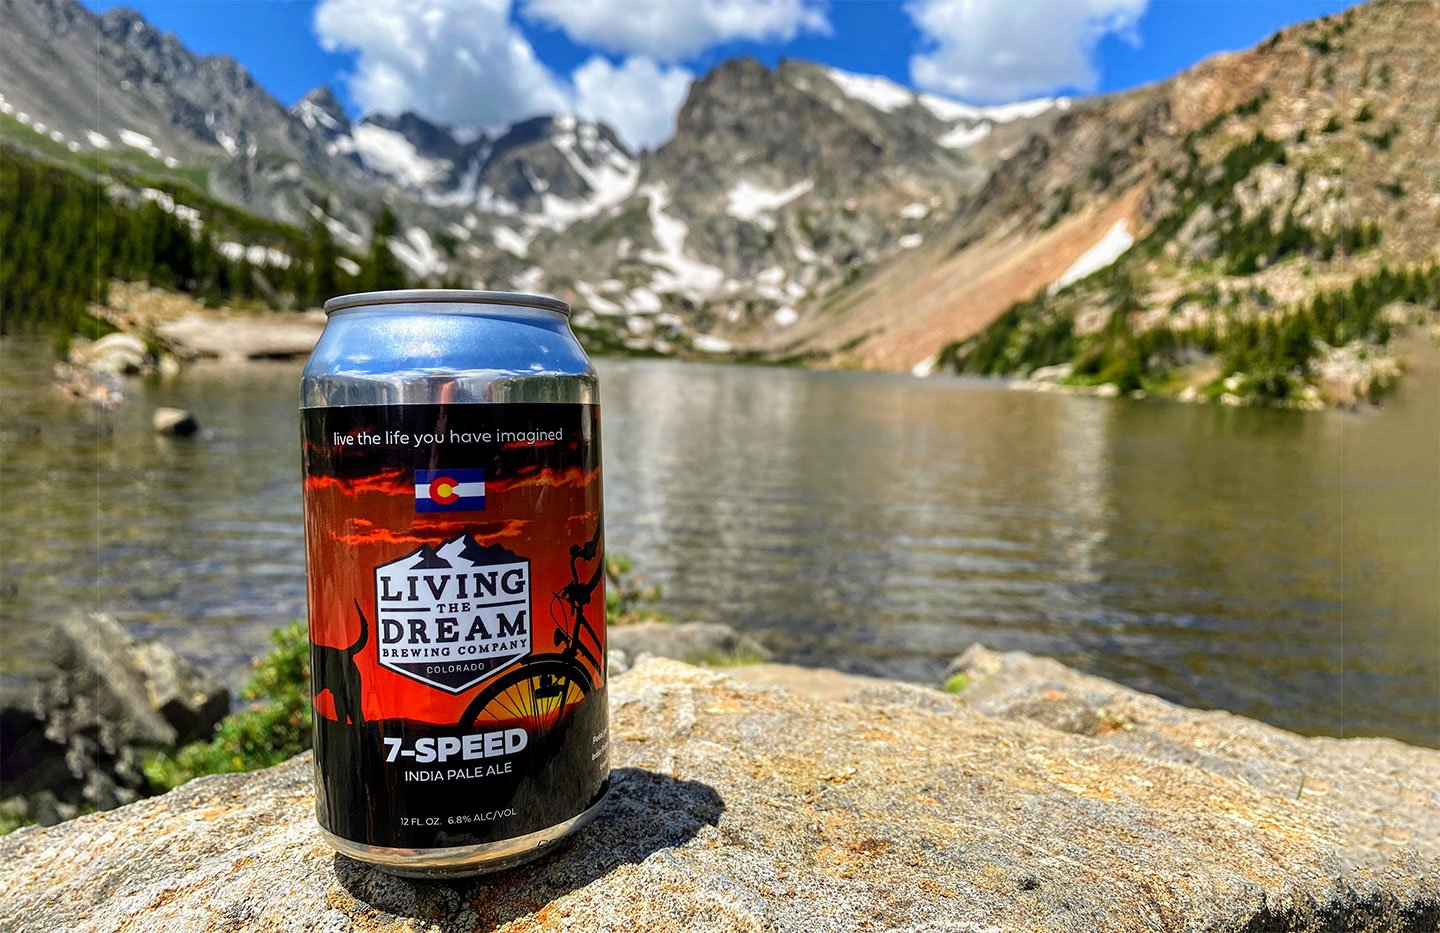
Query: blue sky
[635, 77]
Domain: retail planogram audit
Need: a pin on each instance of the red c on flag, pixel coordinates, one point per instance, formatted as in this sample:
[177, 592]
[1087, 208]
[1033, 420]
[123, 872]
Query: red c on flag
[442, 490]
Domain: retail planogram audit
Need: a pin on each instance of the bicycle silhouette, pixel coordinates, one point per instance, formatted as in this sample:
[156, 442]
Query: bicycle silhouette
[538, 691]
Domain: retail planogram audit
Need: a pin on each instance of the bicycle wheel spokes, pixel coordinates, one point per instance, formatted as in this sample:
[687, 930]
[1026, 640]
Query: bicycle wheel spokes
[535, 700]
[535, 694]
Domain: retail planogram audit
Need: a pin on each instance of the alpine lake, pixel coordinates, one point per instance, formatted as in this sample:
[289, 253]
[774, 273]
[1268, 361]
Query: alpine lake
[1278, 564]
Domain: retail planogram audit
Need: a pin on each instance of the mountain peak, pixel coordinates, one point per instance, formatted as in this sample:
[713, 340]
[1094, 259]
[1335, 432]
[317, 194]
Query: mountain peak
[320, 111]
[123, 19]
[324, 97]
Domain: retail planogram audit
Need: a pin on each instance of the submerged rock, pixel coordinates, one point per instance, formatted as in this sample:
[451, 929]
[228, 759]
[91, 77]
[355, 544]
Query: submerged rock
[176, 422]
[757, 808]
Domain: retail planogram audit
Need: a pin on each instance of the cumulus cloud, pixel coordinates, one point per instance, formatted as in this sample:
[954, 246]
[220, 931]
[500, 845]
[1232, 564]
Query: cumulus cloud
[675, 29]
[639, 97]
[465, 62]
[459, 61]
[1002, 50]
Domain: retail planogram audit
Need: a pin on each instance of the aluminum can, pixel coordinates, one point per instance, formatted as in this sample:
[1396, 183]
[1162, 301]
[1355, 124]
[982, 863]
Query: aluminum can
[456, 571]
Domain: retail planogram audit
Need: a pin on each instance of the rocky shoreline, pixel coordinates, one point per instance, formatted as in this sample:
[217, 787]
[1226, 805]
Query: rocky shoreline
[75, 739]
[1356, 378]
[1036, 798]
[157, 332]
[78, 737]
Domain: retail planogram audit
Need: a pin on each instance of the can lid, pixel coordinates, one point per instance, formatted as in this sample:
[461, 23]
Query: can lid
[447, 296]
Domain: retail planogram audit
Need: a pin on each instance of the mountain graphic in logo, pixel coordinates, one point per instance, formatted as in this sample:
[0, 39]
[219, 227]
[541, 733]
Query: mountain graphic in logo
[451, 616]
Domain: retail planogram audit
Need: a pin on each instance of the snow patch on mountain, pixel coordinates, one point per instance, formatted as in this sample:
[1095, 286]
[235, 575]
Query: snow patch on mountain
[390, 153]
[595, 302]
[142, 142]
[609, 173]
[1110, 247]
[183, 212]
[678, 272]
[880, 93]
[312, 116]
[337, 229]
[254, 254]
[418, 252]
[642, 301]
[491, 203]
[510, 241]
[708, 343]
[953, 110]
[749, 201]
[963, 136]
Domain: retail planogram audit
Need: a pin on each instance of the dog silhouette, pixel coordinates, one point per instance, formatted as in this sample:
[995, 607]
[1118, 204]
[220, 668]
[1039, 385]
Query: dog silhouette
[336, 671]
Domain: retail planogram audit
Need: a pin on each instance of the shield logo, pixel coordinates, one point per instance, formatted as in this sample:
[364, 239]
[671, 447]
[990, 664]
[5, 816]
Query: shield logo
[452, 616]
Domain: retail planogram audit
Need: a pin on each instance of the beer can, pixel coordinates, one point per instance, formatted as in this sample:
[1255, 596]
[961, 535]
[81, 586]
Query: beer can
[456, 571]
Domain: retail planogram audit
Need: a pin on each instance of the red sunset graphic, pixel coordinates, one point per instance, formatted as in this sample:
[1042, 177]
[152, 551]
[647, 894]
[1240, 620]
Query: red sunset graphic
[355, 524]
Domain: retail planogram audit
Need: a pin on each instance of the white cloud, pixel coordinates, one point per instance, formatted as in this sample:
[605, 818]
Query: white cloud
[671, 30]
[1002, 50]
[465, 62]
[639, 98]
[458, 61]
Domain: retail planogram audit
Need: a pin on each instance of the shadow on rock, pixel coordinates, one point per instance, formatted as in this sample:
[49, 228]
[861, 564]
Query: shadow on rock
[645, 813]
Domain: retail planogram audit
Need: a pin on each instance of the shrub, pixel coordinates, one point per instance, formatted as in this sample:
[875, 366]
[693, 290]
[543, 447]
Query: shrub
[275, 726]
[627, 599]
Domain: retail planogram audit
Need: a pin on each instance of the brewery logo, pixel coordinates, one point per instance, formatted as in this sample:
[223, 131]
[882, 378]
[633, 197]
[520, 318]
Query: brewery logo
[454, 615]
[449, 490]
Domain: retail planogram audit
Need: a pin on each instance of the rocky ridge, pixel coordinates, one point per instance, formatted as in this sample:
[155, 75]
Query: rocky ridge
[806, 214]
[1258, 226]
[729, 227]
[1038, 798]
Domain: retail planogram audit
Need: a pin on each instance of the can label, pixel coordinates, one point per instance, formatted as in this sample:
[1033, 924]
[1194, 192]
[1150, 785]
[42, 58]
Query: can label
[457, 619]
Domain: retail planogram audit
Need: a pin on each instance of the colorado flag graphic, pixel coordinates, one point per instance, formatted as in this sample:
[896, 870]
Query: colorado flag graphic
[449, 490]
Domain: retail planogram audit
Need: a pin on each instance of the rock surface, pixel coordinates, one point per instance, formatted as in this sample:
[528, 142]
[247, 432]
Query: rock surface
[746, 807]
[118, 354]
[78, 740]
[237, 336]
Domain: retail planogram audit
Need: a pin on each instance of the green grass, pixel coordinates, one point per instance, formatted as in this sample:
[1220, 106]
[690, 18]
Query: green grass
[121, 160]
[273, 727]
[956, 683]
[736, 657]
[627, 598]
[12, 816]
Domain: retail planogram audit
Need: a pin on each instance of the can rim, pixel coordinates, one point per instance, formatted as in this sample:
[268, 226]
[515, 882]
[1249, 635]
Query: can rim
[448, 296]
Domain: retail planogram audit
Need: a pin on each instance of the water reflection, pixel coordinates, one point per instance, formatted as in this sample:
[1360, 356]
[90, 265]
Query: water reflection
[1277, 564]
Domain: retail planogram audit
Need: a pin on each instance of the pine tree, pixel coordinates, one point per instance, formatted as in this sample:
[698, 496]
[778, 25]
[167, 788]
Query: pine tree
[322, 261]
[382, 270]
